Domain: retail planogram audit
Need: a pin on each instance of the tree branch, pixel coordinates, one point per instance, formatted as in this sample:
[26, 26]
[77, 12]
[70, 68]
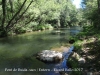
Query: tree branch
[11, 5]
[98, 6]
[22, 13]
[15, 15]
[29, 20]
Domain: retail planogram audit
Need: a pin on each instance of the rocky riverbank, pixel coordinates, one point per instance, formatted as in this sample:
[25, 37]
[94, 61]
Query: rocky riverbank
[86, 56]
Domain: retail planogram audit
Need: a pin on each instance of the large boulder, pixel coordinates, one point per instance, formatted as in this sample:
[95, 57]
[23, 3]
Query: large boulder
[50, 56]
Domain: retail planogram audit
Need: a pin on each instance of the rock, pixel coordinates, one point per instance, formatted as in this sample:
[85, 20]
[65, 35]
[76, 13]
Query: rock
[89, 73]
[81, 60]
[58, 31]
[75, 55]
[87, 48]
[50, 56]
[71, 41]
[63, 73]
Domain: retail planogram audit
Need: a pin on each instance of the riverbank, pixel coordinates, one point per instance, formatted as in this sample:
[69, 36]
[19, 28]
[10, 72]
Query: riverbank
[87, 50]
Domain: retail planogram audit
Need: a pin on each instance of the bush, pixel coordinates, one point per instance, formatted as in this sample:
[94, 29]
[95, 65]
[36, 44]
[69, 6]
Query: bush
[41, 27]
[48, 26]
[44, 27]
[3, 33]
[20, 30]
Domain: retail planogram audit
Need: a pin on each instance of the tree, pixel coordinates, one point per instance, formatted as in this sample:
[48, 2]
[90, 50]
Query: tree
[19, 16]
[2, 29]
[10, 18]
[92, 12]
[98, 1]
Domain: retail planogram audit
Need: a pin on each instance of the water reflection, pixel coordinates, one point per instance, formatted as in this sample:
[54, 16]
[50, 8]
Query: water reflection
[17, 52]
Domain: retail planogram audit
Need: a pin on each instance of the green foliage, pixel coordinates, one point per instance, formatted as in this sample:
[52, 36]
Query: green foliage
[44, 27]
[41, 27]
[3, 33]
[76, 70]
[92, 13]
[38, 15]
[76, 73]
[48, 26]
[20, 30]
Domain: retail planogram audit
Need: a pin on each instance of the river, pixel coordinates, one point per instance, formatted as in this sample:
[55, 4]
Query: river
[16, 52]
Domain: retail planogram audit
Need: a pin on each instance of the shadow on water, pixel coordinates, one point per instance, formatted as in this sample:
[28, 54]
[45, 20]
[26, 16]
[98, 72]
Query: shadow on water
[16, 52]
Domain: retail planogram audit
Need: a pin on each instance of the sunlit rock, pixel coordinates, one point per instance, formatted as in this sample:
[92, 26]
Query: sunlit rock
[81, 60]
[75, 55]
[89, 73]
[50, 56]
[87, 48]
[56, 32]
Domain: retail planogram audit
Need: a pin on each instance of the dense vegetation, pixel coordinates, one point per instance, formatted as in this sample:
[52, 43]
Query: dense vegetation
[88, 41]
[91, 9]
[20, 16]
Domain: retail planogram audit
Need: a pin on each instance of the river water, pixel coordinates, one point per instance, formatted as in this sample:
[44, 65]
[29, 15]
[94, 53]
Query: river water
[16, 52]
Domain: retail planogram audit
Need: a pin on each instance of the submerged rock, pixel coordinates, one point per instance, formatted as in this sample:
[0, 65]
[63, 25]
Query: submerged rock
[50, 56]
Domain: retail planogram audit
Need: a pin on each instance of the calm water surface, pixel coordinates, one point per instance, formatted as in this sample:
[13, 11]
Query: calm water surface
[16, 52]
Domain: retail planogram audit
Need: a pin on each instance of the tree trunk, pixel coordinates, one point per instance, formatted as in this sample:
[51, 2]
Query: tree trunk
[4, 12]
[3, 32]
[98, 1]
[22, 14]
[58, 23]
[11, 5]
[9, 23]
